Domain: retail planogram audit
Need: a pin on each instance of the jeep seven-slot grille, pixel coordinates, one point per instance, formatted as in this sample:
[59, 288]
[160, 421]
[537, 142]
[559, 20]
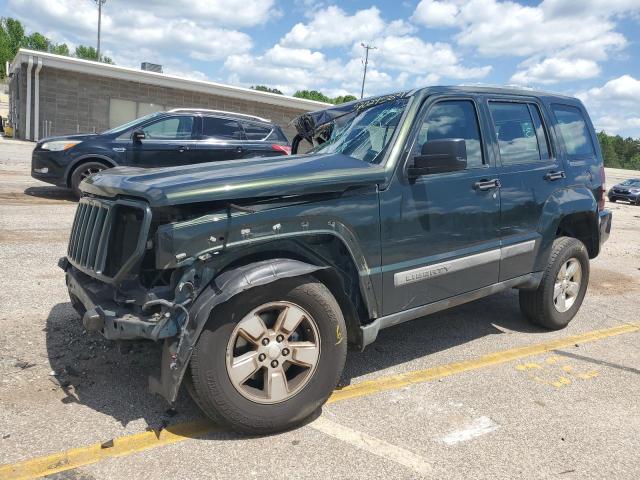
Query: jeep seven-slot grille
[89, 236]
[105, 236]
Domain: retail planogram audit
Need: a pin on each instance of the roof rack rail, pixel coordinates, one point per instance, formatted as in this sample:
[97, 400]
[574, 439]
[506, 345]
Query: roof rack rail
[221, 112]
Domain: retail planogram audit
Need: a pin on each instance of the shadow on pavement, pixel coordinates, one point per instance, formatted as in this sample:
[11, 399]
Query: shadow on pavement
[51, 193]
[98, 373]
[495, 315]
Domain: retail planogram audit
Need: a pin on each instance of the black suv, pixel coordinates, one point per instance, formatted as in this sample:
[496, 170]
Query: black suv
[162, 139]
[256, 278]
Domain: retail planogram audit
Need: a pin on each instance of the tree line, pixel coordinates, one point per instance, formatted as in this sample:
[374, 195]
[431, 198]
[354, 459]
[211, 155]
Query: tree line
[620, 152]
[13, 37]
[309, 95]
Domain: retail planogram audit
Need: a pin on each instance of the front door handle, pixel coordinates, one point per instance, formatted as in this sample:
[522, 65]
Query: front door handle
[182, 149]
[553, 175]
[239, 149]
[487, 184]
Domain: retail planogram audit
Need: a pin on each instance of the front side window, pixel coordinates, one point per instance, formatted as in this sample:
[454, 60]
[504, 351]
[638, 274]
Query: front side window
[364, 134]
[516, 132]
[453, 119]
[173, 128]
[574, 131]
[221, 128]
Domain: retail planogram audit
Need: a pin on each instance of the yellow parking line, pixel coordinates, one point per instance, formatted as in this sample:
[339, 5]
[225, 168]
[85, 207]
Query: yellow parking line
[126, 445]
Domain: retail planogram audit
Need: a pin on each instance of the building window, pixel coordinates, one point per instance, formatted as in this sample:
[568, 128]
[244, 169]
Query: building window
[123, 111]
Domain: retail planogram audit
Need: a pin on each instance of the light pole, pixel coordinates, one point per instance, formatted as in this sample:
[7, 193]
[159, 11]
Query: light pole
[366, 47]
[100, 3]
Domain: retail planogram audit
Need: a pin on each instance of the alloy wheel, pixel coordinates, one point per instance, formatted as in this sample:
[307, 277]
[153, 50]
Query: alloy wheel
[567, 285]
[273, 352]
[87, 172]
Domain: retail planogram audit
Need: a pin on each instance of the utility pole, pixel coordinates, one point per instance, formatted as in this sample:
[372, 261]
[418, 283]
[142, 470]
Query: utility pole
[100, 3]
[366, 47]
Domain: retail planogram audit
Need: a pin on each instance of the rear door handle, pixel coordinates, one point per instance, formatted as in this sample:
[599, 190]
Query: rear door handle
[553, 175]
[182, 148]
[487, 184]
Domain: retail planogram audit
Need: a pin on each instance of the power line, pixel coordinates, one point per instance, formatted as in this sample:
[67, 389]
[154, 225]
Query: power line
[366, 47]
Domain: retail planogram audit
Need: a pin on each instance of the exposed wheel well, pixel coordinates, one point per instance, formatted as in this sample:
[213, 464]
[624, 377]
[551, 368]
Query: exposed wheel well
[582, 226]
[341, 277]
[85, 161]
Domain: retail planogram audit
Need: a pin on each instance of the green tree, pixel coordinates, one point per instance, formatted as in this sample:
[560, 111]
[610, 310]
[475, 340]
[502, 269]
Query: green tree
[321, 97]
[90, 53]
[344, 99]
[36, 41]
[312, 95]
[60, 49]
[11, 38]
[264, 88]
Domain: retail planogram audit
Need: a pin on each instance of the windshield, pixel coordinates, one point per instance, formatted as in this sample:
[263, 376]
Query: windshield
[132, 123]
[633, 182]
[363, 134]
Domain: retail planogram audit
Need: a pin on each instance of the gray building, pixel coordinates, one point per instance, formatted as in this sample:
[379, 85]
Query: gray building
[57, 95]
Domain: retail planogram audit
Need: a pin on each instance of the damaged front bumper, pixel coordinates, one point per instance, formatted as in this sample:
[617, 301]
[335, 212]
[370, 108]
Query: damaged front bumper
[116, 322]
[100, 313]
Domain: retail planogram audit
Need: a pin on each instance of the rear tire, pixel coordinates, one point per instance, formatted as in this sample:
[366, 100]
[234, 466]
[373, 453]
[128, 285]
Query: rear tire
[83, 171]
[562, 288]
[613, 200]
[310, 357]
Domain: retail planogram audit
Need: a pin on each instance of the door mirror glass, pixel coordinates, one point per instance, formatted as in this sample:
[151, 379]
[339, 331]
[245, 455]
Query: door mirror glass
[440, 156]
[138, 136]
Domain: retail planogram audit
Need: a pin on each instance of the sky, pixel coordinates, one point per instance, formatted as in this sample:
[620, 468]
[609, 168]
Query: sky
[584, 48]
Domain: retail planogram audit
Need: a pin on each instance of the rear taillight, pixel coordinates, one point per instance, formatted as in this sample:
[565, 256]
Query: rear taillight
[602, 190]
[286, 149]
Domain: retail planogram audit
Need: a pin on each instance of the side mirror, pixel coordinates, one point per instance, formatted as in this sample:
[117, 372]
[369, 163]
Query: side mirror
[138, 136]
[440, 156]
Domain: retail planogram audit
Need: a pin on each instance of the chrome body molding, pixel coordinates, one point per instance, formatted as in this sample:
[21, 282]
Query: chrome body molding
[442, 268]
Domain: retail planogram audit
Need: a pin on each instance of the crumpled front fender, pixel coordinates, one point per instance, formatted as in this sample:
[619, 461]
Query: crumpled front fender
[177, 350]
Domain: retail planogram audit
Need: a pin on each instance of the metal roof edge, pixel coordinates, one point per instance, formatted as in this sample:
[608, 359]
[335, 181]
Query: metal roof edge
[164, 80]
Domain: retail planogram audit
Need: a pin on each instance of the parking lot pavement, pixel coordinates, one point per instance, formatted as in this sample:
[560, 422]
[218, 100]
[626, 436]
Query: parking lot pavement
[471, 392]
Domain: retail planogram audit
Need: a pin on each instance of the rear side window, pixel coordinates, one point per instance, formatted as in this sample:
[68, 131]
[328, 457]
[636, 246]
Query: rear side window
[256, 132]
[521, 137]
[222, 128]
[453, 119]
[574, 131]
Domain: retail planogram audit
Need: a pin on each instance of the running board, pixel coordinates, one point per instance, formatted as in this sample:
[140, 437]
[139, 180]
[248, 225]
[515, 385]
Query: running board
[370, 331]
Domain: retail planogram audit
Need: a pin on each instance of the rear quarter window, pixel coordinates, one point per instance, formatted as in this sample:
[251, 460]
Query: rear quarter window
[256, 132]
[574, 131]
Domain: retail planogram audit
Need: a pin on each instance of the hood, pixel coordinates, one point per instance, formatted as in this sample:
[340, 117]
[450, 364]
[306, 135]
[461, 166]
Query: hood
[237, 179]
[79, 136]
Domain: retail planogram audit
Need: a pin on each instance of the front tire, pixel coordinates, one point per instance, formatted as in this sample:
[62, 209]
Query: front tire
[562, 288]
[270, 357]
[83, 171]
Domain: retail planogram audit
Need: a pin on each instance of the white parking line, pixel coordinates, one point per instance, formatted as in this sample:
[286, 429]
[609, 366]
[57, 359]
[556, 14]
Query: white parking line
[373, 445]
[479, 426]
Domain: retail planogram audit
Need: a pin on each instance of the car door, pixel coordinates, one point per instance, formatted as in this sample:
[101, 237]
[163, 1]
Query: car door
[166, 142]
[529, 174]
[220, 139]
[440, 232]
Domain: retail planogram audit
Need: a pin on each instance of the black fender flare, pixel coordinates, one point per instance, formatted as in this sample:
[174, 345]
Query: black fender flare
[177, 351]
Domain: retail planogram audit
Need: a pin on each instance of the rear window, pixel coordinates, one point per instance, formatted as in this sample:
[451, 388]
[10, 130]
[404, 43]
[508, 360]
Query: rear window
[222, 128]
[574, 131]
[256, 132]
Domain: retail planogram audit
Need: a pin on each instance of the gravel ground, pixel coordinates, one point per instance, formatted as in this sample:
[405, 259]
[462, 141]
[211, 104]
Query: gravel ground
[62, 388]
